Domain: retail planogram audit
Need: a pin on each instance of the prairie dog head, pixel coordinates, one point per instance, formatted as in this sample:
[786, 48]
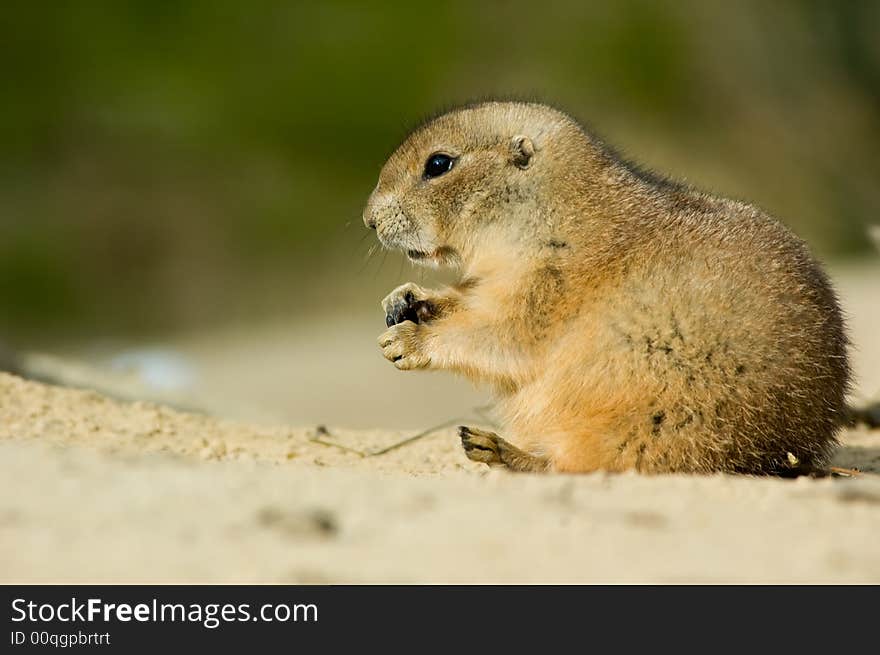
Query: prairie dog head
[467, 180]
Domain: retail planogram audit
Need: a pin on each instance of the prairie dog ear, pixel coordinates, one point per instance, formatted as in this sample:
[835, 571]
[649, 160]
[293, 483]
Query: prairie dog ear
[521, 151]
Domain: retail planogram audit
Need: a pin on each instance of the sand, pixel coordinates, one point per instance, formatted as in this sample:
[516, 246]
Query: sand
[94, 489]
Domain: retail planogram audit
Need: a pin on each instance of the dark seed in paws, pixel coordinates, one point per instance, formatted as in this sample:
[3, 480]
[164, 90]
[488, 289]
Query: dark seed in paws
[401, 312]
[408, 309]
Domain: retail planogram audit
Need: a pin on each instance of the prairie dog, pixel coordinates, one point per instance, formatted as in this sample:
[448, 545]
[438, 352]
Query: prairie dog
[623, 320]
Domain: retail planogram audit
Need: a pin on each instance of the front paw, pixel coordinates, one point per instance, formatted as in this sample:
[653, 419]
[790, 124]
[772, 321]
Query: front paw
[408, 302]
[402, 346]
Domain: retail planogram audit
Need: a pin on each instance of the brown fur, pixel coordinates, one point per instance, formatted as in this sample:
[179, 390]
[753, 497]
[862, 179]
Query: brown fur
[623, 320]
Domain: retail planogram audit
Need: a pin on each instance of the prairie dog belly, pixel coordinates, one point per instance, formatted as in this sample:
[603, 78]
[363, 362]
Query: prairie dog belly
[687, 367]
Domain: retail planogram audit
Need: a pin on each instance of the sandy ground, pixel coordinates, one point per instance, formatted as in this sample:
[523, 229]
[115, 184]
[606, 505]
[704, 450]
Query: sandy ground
[98, 490]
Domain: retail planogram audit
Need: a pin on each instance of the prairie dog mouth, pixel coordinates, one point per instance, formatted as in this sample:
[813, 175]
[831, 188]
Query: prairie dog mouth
[444, 255]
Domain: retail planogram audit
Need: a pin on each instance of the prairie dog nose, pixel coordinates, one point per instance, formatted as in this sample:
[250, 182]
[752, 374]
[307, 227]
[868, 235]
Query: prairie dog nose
[370, 211]
[376, 204]
[369, 219]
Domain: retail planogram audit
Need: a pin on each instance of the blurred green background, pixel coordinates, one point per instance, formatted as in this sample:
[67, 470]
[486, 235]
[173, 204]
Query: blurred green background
[170, 165]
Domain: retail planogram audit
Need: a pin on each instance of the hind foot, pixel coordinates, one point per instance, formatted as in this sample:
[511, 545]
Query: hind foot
[489, 448]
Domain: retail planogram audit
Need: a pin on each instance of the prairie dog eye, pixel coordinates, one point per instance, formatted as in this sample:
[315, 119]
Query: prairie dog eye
[438, 164]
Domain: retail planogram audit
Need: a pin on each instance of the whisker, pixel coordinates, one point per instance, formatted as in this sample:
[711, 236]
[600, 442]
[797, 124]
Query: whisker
[368, 258]
[382, 263]
[357, 244]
